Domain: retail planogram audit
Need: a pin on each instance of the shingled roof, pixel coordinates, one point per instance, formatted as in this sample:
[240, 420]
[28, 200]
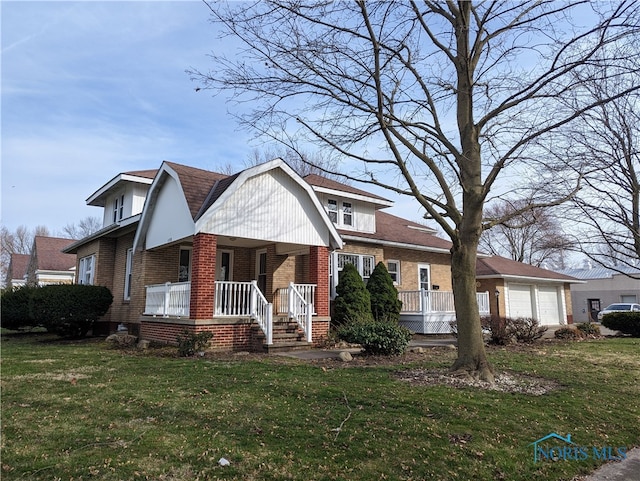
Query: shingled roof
[198, 185]
[390, 228]
[497, 266]
[319, 181]
[17, 268]
[48, 253]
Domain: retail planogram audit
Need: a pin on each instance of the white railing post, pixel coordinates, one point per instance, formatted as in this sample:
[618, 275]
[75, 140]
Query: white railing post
[165, 309]
[290, 296]
[308, 322]
[253, 308]
[269, 323]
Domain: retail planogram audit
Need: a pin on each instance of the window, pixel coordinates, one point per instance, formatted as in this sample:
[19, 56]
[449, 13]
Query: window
[261, 270]
[364, 263]
[394, 270]
[347, 213]
[127, 275]
[118, 208]
[85, 276]
[184, 272]
[332, 210]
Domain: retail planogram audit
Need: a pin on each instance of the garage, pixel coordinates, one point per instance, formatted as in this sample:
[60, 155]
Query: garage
[521, 300]
[550, 307]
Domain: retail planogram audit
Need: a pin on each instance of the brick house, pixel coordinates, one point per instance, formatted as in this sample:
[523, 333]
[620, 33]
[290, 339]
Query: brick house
[252, 257]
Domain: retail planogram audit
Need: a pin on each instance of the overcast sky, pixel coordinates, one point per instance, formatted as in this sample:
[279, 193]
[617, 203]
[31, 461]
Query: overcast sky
[92, 89]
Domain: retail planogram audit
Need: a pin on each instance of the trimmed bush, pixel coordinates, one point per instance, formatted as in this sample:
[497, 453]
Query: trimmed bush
[625, 322]
[69, 310]
[526, 329]
[385, 305]
[377, 337]
[15, 308]
[588, 329]
[568, 333]
[353, 302]
[190, 342]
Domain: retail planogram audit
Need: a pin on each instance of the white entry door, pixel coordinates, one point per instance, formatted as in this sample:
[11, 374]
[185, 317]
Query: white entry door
[224, 266]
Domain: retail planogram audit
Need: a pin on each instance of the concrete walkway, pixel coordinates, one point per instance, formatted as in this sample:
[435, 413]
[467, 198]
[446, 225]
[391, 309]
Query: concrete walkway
[626, 470]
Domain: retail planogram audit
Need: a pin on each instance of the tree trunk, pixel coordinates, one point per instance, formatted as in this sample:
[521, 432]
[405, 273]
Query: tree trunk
[472, 357]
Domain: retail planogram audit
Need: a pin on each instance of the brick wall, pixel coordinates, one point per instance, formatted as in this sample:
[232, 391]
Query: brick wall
[440, 266]
[319, 330]
[319, 275]
[203, 275]
[228, 337]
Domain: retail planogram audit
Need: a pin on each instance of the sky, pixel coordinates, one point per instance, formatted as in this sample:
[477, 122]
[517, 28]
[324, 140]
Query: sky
[94, 88]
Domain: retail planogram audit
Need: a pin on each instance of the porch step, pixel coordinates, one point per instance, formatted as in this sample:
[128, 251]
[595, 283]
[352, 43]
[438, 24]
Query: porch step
[286, 335]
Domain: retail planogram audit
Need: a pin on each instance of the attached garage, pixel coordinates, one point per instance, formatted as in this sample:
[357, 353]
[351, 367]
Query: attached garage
[521, 300]
[550, 305]
[523, 290]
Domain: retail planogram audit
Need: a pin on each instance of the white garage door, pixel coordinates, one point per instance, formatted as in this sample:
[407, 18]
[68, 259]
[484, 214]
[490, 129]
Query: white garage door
[550, 311]
[520, 300]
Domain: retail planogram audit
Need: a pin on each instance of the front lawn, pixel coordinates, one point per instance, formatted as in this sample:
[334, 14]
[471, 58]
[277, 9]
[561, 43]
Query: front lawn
[82, 410]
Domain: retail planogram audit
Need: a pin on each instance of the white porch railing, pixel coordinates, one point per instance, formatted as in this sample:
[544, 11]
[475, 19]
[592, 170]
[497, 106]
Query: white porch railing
[168, 299]
[301, 310]
[436, 301]
[244, 299]
[307, 291]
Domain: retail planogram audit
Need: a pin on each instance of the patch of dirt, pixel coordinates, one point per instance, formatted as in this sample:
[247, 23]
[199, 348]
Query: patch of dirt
[505, 381]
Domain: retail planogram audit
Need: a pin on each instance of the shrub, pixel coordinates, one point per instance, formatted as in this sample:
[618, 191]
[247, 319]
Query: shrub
[499, 333]
[625, 322]
[353, 302]
[568, 333]
[588, 329]
[376, 337]
[15, 308]
[385, 305]
[525, 329]
[69, 310]
[190, 342]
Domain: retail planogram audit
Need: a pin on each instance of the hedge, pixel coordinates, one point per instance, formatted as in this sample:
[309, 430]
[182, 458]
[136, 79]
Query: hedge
[625, 322]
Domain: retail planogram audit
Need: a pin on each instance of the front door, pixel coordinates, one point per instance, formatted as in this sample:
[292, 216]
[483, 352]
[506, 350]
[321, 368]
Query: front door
[261, 270]
[224, 266]
[424, 277]
[594, 309]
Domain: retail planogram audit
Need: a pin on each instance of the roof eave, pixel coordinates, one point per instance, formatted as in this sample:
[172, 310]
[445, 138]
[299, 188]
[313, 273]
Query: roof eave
[438, 250]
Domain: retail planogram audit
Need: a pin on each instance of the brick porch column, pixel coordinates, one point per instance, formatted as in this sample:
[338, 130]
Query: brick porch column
[319, 275]
[203, 276]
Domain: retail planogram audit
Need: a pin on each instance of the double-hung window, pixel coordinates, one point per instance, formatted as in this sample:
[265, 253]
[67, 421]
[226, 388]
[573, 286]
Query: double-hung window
[394, 270]
[184, 272]
[86, 270]
[332, 210]
[363, 263]
[347, 213]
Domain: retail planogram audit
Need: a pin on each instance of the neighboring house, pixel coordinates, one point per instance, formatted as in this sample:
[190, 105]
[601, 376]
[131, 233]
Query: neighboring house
[48, 264]
[17, 270]
[523, 290]
[252, 257]
[602, 286]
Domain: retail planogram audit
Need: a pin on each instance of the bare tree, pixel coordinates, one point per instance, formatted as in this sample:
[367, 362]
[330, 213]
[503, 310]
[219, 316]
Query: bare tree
[303, 163]
[435, 100]
[605, 147]
[19, 241]
[84, 228]
[534, 236]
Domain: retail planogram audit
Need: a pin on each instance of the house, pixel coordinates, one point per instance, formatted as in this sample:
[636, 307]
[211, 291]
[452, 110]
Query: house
[48, 264]
[601, 287]
[17, 270]
[252, 257]
[523, 290]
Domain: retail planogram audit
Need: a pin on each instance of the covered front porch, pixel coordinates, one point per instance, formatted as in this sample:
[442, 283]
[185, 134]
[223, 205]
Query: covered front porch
[235, 300]
[431, 312]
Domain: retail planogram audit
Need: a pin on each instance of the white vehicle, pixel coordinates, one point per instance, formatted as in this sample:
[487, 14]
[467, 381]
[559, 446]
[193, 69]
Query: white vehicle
[620, 307]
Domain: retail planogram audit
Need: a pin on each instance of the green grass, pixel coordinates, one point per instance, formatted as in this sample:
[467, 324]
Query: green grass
[81, 410]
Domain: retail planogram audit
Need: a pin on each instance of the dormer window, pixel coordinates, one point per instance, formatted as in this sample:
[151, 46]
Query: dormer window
[118, 208]
[347, 213]
[332, 210]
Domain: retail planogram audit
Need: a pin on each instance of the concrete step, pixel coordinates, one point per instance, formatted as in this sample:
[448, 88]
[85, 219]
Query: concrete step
[288, 346]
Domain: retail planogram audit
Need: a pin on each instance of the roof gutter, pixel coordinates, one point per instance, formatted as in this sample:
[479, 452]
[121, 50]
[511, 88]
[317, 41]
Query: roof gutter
[438, 250]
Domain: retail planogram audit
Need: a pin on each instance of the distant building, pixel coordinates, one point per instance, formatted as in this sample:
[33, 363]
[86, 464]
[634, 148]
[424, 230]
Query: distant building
[17, 270]
[602, 287]
[48, 264]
